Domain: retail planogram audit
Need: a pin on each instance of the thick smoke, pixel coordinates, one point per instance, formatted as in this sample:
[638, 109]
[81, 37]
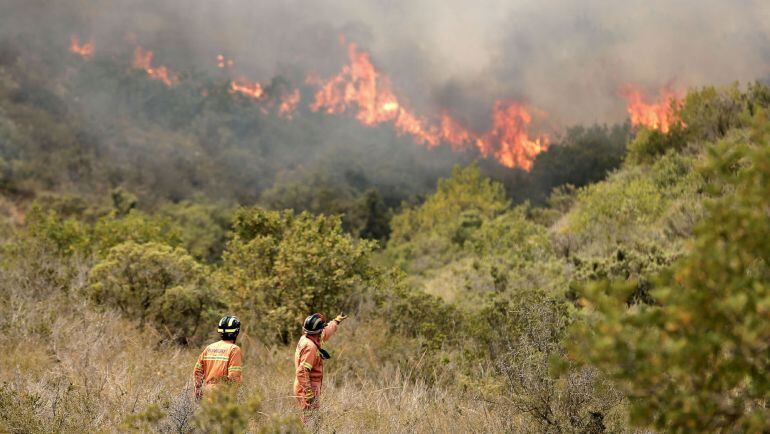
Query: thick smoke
[567, 58]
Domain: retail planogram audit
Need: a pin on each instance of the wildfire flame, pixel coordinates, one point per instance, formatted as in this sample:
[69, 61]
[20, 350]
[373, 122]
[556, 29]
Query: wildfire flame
[360, 88]
[508, 140]
[657, 115]
[252, 90]
[86, 51]
[143, 60]
[289, 104]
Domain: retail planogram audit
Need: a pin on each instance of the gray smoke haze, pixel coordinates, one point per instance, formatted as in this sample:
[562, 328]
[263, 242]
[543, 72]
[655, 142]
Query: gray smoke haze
[568, 58]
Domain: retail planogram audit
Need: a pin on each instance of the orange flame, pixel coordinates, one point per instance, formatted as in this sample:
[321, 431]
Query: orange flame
[245, 87]
[657, 115]
[508, 141]
[86, 51]
[143, 60]
[289, 104]
[454, 133]
[360, 88]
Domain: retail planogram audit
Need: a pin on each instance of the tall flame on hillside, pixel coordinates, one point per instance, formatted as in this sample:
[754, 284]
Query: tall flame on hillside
[654, 114]
[508, 139]
[143, 60]
[86, 50]
[361, 89]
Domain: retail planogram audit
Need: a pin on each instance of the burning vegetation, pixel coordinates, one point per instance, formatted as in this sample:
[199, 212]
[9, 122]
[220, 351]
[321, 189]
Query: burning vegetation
[85, 50]
[253, 90]
[362, 91]
[143, 60]
[657, 114]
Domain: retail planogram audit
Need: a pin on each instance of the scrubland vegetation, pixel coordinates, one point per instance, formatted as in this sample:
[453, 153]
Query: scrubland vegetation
[620, 286]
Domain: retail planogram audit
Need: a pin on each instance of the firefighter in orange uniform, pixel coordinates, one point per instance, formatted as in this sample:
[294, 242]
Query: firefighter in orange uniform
[309, 357]
[220, 362]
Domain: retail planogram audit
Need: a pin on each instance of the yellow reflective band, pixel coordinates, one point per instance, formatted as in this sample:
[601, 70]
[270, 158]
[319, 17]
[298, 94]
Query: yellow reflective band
[220, 358]
[307, 365]
[226, 330]
[235, 368]
[198, 366]
[231, 321]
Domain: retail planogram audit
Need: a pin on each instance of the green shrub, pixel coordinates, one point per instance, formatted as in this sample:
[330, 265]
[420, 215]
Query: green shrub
[697, 361]
[413, 313]
[159, 284]
[521, 335]
[615, 208]
[466, 192]
[135, 226]
[280, 267]
[200, 227]
[649, 144]
[709, 113]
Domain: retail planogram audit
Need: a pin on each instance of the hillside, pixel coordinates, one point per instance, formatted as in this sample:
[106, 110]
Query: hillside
[539, 217]
[628, 304]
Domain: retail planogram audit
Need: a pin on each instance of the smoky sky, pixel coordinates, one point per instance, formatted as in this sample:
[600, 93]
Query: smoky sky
[567, 58]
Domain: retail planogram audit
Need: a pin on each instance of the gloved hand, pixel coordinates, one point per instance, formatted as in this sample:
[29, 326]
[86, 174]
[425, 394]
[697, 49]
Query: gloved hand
[341, 317]
[309, 395]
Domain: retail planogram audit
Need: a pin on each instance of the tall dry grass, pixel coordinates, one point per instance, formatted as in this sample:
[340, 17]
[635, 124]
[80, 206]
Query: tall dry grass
[79, 368]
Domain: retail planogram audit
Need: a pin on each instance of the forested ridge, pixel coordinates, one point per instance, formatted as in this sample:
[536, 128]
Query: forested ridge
[621, 285]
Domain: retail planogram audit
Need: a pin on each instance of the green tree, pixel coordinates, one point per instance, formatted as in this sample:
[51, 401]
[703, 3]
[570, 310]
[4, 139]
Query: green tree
[696, 361]
[649, 144]
[456, 200]
[159, 284]
[279, 267]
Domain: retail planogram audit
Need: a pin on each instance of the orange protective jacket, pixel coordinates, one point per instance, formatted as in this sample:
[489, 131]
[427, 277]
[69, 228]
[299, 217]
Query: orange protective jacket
[219, 362]
[309, 366]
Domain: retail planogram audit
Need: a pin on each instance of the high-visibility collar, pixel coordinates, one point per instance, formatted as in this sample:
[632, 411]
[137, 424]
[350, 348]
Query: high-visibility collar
[324, 353]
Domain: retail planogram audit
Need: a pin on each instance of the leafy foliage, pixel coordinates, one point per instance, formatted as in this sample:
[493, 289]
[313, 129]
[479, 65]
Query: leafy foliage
[696, 361]
[158, 284]
[278, 267]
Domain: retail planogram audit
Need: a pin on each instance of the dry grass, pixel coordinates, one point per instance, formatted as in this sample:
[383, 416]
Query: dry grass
[89, 370]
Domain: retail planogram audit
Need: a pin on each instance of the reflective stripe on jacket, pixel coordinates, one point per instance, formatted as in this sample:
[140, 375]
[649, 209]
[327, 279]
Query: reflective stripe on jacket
[219, 362]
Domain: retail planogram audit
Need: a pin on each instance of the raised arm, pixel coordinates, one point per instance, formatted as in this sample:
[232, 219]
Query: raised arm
[331, 328]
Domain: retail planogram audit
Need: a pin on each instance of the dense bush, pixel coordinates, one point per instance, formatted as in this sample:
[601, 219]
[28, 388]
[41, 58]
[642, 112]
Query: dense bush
[648, 144]
[279, 267]
[159, 285]
[697, 360]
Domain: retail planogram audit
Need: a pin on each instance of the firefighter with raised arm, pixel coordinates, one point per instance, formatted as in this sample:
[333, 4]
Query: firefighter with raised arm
[220, 362]
[309, 359]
